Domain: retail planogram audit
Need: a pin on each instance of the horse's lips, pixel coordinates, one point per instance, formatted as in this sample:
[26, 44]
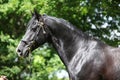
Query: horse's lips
[26, 53]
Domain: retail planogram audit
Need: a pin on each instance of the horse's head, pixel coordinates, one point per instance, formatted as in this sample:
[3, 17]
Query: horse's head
[36, 35]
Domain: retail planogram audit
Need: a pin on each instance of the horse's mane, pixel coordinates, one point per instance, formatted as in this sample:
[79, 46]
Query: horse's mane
[70, 26]
[77, 31]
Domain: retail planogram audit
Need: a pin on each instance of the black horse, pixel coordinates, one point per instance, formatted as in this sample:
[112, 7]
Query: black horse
[85, 57]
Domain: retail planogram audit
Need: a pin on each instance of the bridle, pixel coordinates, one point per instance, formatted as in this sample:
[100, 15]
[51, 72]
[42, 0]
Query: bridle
[45, 30]
[41, 25]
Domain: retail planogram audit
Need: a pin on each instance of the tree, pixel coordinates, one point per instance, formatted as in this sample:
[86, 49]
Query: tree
[96, 18]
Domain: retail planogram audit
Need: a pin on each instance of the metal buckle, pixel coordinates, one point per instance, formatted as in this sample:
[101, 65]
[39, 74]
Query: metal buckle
[41, 24]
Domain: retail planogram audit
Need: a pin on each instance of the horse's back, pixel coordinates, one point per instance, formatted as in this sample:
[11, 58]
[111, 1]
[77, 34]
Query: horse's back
[112, 71]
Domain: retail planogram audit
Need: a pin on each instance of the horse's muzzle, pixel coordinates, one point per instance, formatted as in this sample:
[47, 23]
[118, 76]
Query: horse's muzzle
[23, 53]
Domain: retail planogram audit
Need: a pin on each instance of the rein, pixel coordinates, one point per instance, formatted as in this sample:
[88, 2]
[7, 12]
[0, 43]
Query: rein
[43, 26]
[29, 59]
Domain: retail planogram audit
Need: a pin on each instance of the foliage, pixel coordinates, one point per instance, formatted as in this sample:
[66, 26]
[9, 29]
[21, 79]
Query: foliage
[7, 56]
[43, 64]
[98, 18]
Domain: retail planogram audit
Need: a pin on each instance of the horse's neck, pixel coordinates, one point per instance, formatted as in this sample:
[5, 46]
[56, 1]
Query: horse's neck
[67, 44]
[65, 37]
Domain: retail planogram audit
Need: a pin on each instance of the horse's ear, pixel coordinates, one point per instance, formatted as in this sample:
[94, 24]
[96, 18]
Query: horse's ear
[37, 15]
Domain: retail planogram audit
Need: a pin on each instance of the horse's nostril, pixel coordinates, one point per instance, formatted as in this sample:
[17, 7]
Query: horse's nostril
[19, 52]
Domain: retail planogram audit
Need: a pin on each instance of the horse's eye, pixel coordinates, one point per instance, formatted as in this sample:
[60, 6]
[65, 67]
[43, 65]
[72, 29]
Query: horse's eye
[34, 23]
[34, 28]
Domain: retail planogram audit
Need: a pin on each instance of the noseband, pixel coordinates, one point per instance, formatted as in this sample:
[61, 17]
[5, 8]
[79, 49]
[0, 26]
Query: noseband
[41, 25]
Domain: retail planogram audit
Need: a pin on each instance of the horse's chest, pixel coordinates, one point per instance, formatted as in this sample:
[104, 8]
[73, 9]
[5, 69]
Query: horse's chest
[87, 65]
[80, 65]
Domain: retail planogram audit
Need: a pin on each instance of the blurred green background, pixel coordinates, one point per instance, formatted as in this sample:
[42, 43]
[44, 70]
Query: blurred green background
[98, 18]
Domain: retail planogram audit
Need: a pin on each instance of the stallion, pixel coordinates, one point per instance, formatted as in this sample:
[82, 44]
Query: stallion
[85, 57]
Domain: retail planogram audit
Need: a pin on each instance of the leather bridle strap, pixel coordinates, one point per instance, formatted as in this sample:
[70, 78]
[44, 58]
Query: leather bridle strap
[32, 42]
